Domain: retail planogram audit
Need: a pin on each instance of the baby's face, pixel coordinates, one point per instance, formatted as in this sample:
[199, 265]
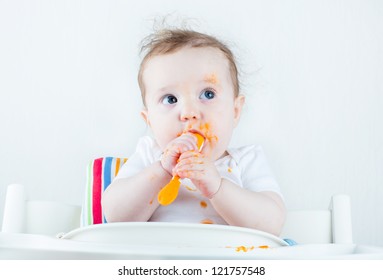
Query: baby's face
[191, 90]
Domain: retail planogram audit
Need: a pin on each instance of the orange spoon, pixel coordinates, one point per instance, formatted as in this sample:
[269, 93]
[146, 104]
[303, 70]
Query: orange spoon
[169, 193]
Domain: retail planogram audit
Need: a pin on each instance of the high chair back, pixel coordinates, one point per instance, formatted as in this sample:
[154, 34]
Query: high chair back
[332, 225]
[37, 217]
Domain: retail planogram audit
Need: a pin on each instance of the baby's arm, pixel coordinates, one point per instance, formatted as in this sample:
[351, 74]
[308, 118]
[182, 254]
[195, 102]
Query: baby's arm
[237, 206]
[241, 207]
[134, 198]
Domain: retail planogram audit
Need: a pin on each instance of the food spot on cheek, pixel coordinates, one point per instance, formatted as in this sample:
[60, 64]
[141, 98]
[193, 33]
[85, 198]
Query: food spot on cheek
[205, 128]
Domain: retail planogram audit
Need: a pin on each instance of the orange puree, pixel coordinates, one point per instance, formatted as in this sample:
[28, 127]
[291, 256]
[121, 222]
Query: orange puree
[207, 221]
[190, 189]
[212, 78]
[205, 129]
[246, 249]
[203, 204]
[169, 193]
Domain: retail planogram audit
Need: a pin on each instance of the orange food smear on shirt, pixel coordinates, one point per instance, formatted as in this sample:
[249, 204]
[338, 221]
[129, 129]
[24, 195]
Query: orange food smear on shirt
[190, 188]
[229, 170]
[207, 221]
[203, 204]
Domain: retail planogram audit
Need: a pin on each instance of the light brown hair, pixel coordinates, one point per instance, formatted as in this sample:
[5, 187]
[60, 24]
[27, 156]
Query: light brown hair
[168, 41]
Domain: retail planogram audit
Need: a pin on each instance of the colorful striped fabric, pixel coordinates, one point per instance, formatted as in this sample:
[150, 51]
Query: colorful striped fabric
[100, 173]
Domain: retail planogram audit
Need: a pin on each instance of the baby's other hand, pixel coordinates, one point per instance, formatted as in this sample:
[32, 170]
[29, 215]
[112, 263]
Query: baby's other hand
[201, 171]
[173, 151]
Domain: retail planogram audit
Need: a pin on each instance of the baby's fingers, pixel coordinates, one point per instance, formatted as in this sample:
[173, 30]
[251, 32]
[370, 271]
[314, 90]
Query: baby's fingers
[181, 145]
[190, 154]
[191, 171]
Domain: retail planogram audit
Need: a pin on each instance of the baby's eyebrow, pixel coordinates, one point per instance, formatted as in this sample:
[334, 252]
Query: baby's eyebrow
[165, 89]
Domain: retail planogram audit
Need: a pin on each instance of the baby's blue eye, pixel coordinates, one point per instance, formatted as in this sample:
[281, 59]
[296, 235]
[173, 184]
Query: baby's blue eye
[207, 94]
[169, 99]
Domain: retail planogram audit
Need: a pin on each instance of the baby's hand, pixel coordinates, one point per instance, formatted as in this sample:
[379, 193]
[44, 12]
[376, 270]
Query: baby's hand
[185, 142]
[201, 170]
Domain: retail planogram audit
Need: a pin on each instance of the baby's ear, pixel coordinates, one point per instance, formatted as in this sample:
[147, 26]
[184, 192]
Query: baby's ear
[144, 115]
[238, 105]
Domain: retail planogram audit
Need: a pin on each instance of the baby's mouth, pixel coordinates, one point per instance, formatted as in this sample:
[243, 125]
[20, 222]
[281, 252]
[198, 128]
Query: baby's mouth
[195, 131]
[201, 128]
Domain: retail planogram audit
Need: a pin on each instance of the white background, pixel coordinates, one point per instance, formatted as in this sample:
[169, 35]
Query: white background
[312, 72]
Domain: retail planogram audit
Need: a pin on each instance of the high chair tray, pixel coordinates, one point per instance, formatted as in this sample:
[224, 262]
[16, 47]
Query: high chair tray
[176, 235]
[41, 247]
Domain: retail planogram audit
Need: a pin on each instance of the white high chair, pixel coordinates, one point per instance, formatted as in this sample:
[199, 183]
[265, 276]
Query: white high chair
[321, 226]
[332, 225]
[37, 217]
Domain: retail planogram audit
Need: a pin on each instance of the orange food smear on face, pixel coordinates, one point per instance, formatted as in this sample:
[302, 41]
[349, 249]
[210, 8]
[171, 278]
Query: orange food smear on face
[207, 221]
[212, 79]
[203, 204]
[205, 129]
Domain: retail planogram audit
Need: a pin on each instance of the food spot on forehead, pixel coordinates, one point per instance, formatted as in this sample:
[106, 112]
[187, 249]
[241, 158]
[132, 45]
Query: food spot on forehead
[212, 79]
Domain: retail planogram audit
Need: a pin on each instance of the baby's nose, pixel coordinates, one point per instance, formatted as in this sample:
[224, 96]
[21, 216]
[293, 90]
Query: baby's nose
[192, 115]
[190, 112]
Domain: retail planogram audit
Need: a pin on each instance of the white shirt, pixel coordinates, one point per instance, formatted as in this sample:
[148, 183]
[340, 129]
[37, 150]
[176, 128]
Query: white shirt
[246, 167]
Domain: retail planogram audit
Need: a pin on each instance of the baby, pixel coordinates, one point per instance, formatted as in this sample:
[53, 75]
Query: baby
[189, 84]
